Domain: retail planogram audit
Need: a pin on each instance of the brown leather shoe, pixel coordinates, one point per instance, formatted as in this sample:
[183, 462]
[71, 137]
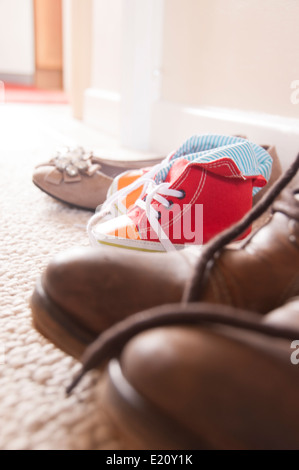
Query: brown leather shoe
[203, 377]
[79, 178]
[84, 292]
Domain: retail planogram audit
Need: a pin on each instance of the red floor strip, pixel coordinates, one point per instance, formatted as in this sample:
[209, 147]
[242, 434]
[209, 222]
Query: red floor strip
[14, 93]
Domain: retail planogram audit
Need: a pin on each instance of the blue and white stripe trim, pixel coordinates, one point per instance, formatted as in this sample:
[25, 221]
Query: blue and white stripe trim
[250, 158]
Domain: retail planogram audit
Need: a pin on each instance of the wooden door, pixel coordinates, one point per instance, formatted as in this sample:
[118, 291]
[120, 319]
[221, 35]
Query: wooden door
[48, 44]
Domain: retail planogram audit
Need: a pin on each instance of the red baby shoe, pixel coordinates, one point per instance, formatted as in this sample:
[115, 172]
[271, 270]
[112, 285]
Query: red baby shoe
[196, 201]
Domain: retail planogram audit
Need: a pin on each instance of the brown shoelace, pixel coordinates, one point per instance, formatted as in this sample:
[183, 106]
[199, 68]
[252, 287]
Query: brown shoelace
[110, 343]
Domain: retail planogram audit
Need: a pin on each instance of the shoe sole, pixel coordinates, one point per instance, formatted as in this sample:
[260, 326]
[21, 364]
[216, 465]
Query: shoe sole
[136, 245]
[56, 324]
[139, 424]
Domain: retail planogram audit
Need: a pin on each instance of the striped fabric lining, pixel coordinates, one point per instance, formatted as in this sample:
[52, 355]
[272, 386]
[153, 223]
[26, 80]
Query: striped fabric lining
[250, 158]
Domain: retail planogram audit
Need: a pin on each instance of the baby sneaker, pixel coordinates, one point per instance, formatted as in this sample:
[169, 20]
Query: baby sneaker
[115, 205]
[195, 193]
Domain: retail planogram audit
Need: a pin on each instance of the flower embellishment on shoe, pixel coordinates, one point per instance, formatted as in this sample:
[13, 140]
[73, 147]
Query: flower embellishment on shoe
[70, 163]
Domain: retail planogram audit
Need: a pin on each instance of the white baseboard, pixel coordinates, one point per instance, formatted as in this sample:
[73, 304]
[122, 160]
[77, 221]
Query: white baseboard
[173, 123]
[102, 110]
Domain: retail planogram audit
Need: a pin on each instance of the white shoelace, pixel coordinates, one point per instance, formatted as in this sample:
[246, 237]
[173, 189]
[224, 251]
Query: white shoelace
[157, 193]
[108, 207]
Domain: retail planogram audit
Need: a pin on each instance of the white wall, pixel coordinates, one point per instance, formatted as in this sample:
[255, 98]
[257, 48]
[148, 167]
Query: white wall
[102, 99]
[165, 69]
[241, 54]
[107, 37]
[16, 37]
[126, 62]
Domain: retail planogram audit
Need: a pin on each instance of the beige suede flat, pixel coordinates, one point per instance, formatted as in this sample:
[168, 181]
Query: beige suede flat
[77, 177]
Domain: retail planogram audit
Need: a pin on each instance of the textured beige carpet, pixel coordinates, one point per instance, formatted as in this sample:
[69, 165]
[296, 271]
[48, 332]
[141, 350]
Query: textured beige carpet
[34, 412]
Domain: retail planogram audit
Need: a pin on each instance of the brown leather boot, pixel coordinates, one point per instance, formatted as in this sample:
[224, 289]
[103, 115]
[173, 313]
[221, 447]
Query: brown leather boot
[84, 292]
[203, 376]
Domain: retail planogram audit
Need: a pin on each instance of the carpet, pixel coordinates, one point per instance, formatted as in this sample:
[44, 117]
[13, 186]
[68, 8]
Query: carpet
[34, 411]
